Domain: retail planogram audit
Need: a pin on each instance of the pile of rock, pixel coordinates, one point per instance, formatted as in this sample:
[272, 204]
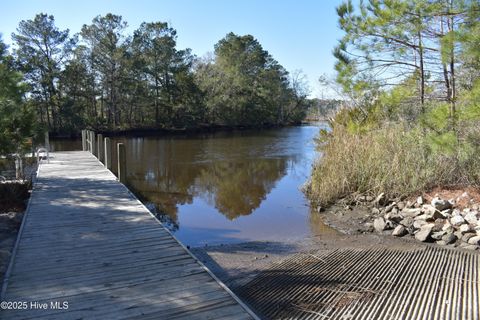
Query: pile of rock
[439, 221]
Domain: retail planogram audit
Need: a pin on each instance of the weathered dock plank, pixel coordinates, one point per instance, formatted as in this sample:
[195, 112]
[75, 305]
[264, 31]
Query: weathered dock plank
[86, 240]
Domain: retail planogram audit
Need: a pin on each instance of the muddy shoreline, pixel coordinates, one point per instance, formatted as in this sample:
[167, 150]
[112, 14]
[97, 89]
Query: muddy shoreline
[9, 225]
[13, 203]
[237, 264]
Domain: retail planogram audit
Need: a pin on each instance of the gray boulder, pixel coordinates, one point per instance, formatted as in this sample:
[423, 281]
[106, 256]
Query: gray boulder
[436, 214]
[417, 224]
[394, 217]
[390, 207]
[471, 218]
[411, 212]
[389, 225]
[445, 214]
[449, 238]
[456, 221]
[438, 235]
[381, 199]
[399, 231]
[379, 224]
[467, 236]
[420, 200]
[407, 222]
[464, 228]
[441, 204]
[474, 240]
[439, 223]
[424, 233]
[456, 212]
[424, 217]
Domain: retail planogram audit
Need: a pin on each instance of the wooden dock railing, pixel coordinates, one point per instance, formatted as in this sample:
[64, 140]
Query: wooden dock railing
[89, 249]
[101, 147]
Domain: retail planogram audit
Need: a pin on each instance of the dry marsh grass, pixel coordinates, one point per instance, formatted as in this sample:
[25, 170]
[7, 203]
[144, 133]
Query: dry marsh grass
[390, 160]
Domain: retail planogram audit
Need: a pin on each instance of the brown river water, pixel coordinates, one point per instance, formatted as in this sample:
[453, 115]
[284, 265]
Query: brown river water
[224, 187]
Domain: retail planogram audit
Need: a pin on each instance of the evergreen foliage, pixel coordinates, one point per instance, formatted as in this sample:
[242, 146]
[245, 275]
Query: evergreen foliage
[411, 70]
[17, 119]
[106, 79]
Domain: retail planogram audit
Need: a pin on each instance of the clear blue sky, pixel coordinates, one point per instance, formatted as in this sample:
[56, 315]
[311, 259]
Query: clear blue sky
[300, 34]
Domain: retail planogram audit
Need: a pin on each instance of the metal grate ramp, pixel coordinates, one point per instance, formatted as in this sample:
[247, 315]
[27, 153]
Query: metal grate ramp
[425, 283]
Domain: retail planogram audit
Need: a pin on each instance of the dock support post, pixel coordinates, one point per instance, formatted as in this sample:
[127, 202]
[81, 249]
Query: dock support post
[84, 140]
[108, 153]
[122, 163]
[94, 144]
[18, 167]
[47, 141]
[100, 147]
[90, 136]
[89, 141]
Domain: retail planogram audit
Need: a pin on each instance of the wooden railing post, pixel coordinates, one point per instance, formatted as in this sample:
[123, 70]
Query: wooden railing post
[18, 167]
[100, 147]
[89, 140]
[94, 144]
[84, 140]
[122, 163]
[47, 141]
[90, 146]
[108, 153]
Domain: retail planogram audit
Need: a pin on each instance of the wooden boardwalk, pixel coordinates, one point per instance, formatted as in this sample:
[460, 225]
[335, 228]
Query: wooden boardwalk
[88, 243]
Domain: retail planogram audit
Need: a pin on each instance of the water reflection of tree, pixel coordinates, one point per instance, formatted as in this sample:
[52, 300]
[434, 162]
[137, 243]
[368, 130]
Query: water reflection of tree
[234, 175]
[166, 191]
[159, 175]
[238, 188]
[234, 188]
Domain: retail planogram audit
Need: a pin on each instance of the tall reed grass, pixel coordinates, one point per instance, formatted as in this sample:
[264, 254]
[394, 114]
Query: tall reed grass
[392, 160]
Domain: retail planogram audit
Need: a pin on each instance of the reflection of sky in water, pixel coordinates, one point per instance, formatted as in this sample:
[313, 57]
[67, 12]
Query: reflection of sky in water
[227, 187]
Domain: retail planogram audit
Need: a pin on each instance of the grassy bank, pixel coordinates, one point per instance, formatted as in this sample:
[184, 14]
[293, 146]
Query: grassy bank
[411, 87]
[395, 160]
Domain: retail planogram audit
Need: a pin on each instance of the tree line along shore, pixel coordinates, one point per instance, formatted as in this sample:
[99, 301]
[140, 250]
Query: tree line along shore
[106, 79]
